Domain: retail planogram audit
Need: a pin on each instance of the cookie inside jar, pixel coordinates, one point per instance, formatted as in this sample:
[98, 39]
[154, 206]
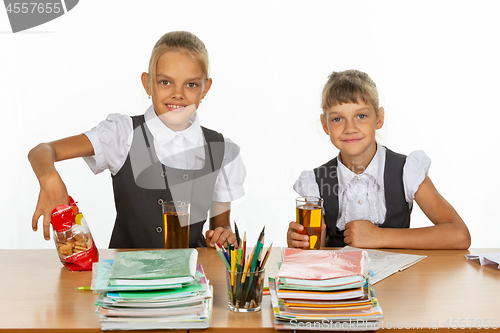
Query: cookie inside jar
[73, 241]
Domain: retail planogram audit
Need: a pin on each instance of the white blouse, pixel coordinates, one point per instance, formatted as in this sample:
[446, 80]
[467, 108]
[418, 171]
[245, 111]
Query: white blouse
[112, 139]
[362, 196]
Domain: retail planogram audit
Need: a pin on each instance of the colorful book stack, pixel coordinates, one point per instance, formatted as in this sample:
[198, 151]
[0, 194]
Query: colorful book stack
[157, 289]
[324, 290]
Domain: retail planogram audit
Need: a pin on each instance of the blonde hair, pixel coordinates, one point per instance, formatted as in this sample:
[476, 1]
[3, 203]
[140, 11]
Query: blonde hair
[349, 86]
[180, 41]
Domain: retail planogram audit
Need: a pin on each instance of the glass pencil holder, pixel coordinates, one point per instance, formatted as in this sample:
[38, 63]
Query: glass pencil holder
[244, 290]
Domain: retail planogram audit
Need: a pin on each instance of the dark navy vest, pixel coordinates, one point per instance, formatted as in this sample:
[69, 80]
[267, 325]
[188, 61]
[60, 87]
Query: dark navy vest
[143, 183]
[398, 210]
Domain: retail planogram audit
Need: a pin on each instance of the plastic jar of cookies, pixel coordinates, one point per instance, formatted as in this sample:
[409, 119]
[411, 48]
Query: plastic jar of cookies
[74, 242]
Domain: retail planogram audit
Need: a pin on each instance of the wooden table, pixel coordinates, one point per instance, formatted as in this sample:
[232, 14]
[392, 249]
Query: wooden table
[38, 294]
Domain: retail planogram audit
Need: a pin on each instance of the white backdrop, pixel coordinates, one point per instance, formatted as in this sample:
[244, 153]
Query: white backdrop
[436, 64]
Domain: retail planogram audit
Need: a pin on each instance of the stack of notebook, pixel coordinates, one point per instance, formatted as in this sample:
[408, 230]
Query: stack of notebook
[158, 289]
[324, 290]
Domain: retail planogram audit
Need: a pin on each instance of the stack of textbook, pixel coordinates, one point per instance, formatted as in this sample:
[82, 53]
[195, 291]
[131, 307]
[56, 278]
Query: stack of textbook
[157, 289]
[324, 290]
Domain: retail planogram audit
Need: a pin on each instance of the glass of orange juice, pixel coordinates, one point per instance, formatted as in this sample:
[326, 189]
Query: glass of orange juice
[309, 215]
[176, 224]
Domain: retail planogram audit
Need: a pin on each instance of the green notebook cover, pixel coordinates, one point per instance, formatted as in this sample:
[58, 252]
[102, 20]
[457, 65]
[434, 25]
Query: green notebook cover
[193, 288]
[154, 264]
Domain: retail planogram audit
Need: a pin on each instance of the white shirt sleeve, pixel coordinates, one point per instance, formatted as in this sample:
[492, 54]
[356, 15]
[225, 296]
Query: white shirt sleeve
[229, 183]
[111, 140]
[306, 184]
[414, 171]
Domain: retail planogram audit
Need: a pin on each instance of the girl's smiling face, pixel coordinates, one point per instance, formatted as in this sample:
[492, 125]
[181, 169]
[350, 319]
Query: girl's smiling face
[351, 127]
[178, 88]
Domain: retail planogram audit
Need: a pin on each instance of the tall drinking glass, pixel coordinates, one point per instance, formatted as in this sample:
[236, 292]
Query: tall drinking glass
[176, 224]
[309, 215]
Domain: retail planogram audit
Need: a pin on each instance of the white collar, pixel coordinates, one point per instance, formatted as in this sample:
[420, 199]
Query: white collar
[375, 169]
[163, 134]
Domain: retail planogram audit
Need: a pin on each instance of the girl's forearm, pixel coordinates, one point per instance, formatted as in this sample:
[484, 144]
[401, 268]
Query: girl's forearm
[220, 215]
[42, 159]
[441, 236]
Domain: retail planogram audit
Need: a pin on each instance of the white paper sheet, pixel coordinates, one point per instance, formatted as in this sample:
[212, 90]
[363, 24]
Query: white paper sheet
[486, 258]
[382, 264]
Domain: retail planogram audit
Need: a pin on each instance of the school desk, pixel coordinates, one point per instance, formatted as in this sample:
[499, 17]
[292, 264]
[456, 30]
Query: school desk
[444, 290]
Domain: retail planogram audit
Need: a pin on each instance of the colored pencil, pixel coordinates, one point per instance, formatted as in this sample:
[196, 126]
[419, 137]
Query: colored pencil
[246, 279]
[253, 283]
[261, 234]
[233, 264]
[225, 253]
[244, 247]
[265, 257]
[238, 239]
[257, 250]
[219, 251]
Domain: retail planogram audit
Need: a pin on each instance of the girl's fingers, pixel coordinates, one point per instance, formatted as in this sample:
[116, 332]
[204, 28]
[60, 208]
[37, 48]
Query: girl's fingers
[208, 238]
[38, 212]
[228, 235]
[299, 237]
[296, 239]
[300, 244]
[46, 226]
[294, 226]
[220, 235]
[34, 220]
[299, 240]
[214, 236]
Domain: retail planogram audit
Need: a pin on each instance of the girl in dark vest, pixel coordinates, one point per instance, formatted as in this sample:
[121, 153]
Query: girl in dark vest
[368, 190]
[161, 155]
